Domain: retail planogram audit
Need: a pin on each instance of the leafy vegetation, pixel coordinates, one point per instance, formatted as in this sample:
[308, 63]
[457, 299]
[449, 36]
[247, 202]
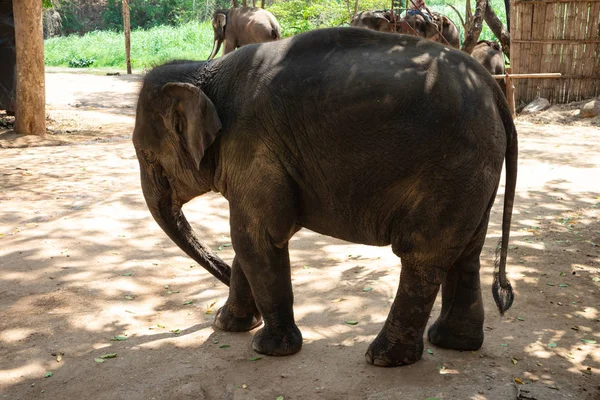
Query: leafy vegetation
[149, 47]
[163, 30]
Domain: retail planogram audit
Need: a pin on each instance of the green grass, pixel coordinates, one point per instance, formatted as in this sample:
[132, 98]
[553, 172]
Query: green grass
[194, 40]
[148, 47]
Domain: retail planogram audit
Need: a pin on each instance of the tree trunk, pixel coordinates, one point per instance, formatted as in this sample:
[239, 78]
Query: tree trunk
[472, 36]
[235, 4]
[127, 30]
[499, 29]
[355, 9]
[30, 113]
[243, 3]
[253, 3]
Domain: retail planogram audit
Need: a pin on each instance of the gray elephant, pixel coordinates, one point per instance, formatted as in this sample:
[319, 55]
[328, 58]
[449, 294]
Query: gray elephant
[416, 24]
[238, 27]
[328, 131]
[373, 20]
[490, 55]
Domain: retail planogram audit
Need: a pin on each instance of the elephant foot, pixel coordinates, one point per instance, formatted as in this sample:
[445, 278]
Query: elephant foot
[226, 320]
[278, 342]
[455, 336]
[387, 353]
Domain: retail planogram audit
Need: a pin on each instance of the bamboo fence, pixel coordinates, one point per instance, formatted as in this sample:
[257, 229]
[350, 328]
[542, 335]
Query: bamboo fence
[556, 36]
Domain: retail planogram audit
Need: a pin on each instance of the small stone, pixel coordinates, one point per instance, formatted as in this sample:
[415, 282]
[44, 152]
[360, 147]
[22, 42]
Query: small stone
[590, 109]
[539, 104]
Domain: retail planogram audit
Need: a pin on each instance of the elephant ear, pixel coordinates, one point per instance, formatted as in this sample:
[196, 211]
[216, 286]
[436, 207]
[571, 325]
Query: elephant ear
[193, 117]
[221, 20]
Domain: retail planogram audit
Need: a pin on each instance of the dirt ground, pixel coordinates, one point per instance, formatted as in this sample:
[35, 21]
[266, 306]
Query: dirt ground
[86, 272]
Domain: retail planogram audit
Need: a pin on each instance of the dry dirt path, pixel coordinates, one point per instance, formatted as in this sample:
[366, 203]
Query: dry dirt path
[82, 261]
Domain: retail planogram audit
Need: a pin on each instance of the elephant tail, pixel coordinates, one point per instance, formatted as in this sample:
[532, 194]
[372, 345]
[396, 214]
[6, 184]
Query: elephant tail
[501, 288]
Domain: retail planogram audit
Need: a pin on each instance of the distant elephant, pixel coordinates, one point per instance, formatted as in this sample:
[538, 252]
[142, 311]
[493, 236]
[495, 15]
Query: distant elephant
[490, 55]
[310, 132]
[415, 24]
[241, 26]
[372, 20]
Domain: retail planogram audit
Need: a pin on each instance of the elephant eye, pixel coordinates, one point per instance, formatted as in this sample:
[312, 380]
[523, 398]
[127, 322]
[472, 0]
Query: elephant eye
[148, 156]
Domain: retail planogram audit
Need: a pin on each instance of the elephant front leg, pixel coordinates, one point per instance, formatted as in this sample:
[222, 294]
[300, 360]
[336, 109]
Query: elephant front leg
[267, 267]
[239, 314]
[400, 342]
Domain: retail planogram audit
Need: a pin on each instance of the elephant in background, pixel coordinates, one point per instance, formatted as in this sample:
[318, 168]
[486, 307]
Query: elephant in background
[373, 20]
[238, 27]
[416, 24]
[308, 132]
[490, 55]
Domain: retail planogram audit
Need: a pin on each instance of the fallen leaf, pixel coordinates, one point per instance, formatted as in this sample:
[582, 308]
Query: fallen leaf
[563, 274]
[99, 360]
[188, 302]
[220, 248]
[244, 386]
[108, 355]
[59, 358]
[129, 297]
[563, 285]
[552, 345]
[227, 245]
[521, 318]
[336, 300]
[587, 371]
[351, 322]
[588, 341]
[504, 344]
[255, 358]
[175, 331]
[539, 364]
[118, 338]
[280, 398]
[128, 274]
[514, 360]
[130, 312]
[429, 351]
[161, 326]
[596, 279]
[520, 382]
[224, 346]
[367, 289]
[550, 284]
[552, 387]
[48, 374]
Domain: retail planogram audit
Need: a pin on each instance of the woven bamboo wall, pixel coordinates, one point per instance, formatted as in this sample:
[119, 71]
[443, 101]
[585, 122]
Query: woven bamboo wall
[556, 36]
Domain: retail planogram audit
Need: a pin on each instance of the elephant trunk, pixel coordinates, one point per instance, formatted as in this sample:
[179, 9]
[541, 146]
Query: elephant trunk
[216, 47]
[166, 210]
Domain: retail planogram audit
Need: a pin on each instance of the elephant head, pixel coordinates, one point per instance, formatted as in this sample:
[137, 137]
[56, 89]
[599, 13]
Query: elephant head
[219, 24]
[437, 28]
[175, 125]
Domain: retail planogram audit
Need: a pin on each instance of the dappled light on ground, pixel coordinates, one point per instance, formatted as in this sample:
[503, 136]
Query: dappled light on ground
[86, 272]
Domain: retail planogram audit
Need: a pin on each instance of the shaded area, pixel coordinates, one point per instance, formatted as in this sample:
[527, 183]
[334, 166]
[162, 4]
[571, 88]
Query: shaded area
[76, 239]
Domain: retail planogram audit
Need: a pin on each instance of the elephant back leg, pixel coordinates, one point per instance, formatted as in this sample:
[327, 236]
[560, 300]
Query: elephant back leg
[460, 324]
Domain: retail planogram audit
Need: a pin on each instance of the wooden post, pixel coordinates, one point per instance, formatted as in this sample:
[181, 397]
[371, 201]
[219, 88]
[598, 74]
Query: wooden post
[127, 30]
[30, 113]
[510, 94]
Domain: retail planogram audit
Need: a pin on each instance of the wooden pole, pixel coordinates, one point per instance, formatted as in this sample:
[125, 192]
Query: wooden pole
[355, 9]
[529, 76]
[127, 30]
[30, 113]
[510, 94]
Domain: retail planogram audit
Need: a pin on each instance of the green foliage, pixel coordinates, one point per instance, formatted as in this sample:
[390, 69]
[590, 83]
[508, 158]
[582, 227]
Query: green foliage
[81, 62]
[148, 47]
[296, 16]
